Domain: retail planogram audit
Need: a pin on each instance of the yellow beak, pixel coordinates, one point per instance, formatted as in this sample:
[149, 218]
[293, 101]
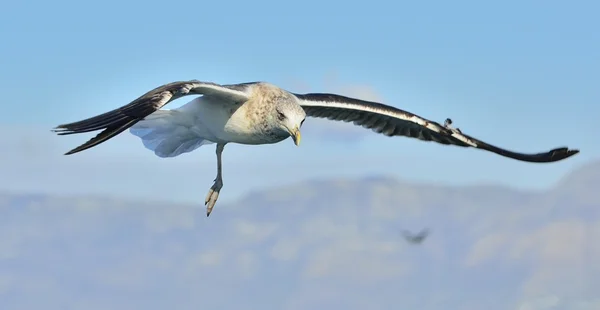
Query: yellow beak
[295, 133]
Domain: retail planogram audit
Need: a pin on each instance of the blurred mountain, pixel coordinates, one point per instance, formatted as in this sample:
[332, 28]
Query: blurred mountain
[333, 243]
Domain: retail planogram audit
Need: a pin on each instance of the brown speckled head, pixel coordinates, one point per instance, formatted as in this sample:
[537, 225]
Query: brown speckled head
[276, 111]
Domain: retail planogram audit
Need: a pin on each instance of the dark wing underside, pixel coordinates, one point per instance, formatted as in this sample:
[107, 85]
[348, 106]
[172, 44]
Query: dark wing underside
[391, 121]
[118, 120]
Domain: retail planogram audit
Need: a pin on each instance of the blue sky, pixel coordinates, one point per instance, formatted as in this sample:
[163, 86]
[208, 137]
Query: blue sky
[522, 75]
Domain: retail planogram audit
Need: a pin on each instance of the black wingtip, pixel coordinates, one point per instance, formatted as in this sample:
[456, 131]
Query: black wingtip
[65, 129]
[562, 153]
[58, 129]
[62, 130]
[73, 151]
[551, 156]
[103, 136]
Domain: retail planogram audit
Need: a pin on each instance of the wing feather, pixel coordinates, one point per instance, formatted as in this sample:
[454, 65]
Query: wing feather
[391, 121]
[122, 118]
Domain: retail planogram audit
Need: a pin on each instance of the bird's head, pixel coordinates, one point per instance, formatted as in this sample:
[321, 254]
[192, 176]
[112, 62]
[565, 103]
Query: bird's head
[290, 118]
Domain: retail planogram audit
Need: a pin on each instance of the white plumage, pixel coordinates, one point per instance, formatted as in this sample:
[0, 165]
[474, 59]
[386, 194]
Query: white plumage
[169, 133]
[261, 113]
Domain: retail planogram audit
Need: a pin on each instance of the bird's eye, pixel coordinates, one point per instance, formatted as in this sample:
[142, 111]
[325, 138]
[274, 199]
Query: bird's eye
[280, 115]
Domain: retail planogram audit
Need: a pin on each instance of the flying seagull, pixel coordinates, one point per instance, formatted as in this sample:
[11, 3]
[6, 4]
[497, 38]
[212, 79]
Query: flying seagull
[258, 113]
[416, 238]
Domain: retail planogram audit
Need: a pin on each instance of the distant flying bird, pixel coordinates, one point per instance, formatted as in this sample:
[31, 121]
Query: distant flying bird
[416, 238]
[260, 113]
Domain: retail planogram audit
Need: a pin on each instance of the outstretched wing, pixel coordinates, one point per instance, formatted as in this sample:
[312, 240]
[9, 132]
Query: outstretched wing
[392, 121]
[120, 119]
[415, 238]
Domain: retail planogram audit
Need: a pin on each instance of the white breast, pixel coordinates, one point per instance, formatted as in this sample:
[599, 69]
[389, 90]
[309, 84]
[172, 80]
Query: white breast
[223, 121]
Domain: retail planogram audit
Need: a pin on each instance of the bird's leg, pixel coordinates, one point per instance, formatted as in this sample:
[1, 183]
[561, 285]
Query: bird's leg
[213, 193]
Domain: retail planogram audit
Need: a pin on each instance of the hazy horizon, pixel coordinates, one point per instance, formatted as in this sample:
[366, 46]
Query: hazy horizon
[327, 243]
[379, 176]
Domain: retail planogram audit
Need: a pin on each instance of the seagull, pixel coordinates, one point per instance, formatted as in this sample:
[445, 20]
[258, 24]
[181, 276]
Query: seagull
[257, 113]
[417, 238]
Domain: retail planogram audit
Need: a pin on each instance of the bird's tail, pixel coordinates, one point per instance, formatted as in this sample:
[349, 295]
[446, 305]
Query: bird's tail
[164, 136]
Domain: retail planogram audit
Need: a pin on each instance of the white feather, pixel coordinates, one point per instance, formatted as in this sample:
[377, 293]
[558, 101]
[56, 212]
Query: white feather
[169, 133]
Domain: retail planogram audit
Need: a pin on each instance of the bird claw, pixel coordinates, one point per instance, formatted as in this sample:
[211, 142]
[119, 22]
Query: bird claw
[211, 199]
[448, 125]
